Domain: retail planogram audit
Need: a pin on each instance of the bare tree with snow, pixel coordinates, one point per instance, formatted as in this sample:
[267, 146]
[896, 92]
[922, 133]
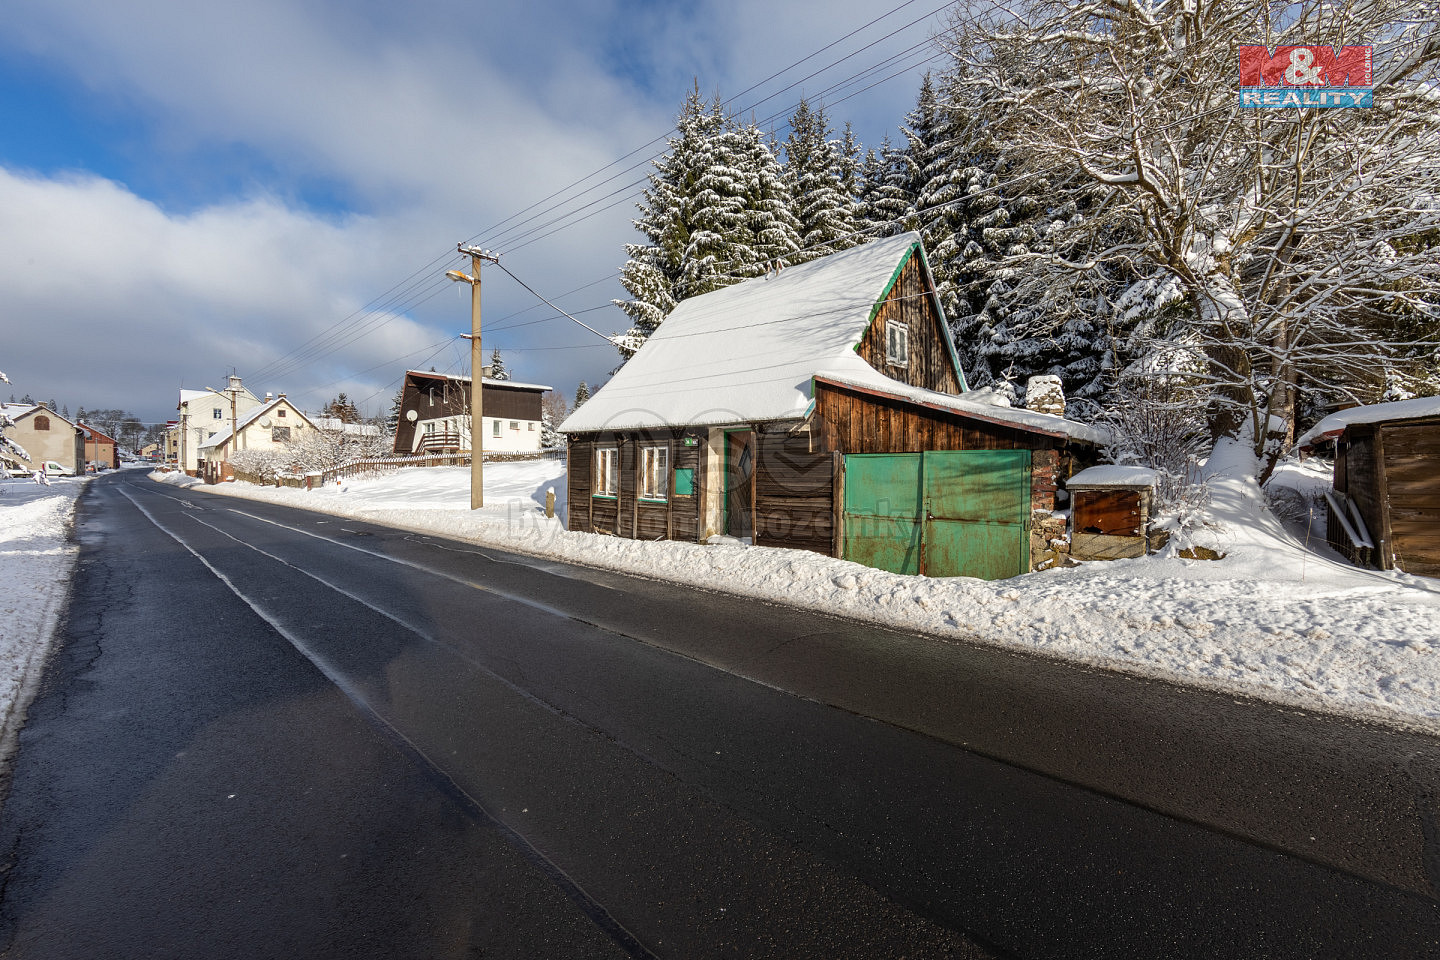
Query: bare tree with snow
[1302, 246]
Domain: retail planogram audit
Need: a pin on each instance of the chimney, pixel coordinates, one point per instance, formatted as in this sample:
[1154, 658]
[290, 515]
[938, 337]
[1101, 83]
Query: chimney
[269, 396]
[1044, 394]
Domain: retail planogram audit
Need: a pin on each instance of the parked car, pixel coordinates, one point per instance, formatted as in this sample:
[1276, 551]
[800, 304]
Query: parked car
[54, 469]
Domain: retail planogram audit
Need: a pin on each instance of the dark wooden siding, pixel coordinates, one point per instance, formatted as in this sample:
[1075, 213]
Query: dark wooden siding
[855, 422]
[676, 518]
[910, 303]
[1362, 477]
[794, 494]
[510, 403]
[1412, 453]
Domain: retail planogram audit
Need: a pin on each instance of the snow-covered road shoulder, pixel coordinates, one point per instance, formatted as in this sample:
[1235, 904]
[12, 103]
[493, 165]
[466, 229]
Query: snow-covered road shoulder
[1274, 619]
[36, 560]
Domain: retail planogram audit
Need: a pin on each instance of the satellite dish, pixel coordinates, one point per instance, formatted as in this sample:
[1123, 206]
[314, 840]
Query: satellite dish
[265, 422]
[411, 415]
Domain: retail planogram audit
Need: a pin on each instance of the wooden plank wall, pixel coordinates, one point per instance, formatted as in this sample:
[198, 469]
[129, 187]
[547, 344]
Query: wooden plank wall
[794, 494]
[1412, 453]
[626, 516]
[930, 365]
[853, 422]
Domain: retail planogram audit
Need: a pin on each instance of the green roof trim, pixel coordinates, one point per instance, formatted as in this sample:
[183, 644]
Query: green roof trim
[939, 310]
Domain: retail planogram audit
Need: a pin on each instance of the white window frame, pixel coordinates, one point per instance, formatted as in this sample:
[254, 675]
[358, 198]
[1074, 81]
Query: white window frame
[496, 428]
[607, 472]
[897, 344]
[654, 473]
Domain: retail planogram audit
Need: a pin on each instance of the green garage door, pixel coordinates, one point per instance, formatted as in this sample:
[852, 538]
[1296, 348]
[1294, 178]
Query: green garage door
[943, 513]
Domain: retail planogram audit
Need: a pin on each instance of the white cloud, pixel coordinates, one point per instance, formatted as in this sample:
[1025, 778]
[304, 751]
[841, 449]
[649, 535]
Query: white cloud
[432, 120]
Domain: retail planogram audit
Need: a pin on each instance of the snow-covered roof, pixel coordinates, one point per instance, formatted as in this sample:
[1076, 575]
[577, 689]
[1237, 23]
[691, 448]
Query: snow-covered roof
[1113, 475]
[751, 352]
[747, 352]
[484, 381]
[862, 376]
[336, 425]
[13, 410]
[250, 417]
[1335, 424]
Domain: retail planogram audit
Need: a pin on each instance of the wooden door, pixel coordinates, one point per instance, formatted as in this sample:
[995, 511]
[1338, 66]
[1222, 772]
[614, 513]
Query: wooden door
[740, 483]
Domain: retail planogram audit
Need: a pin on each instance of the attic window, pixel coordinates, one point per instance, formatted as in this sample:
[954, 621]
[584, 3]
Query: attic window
[280, 412]
[897, 344]
[42, 423]
[215, 413]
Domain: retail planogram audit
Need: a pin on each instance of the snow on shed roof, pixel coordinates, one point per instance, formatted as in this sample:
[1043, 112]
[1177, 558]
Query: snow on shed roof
[1335, 424]
[746, 353]
[1113, 475]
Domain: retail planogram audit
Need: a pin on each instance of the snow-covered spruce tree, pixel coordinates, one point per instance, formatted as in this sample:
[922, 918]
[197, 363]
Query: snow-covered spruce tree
[497, 366]
[816, 169]
[885, 202]
[1287, 232]
[553, 411]
[582, 393]
[713, 214]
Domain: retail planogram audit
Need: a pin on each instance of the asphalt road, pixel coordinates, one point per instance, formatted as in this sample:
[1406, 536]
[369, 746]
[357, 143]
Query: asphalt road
[268, 733]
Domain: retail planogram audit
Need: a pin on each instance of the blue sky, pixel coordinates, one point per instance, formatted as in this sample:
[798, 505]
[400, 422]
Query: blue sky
[187, 188]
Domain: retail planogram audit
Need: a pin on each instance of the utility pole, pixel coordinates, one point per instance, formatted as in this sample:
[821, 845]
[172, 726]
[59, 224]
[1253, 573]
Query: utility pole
[477, 370]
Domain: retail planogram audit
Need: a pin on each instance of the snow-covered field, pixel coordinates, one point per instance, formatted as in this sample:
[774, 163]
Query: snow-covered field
[1273, 619]
[36, 558]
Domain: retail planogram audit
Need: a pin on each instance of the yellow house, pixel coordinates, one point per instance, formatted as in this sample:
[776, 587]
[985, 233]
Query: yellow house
[44, 435]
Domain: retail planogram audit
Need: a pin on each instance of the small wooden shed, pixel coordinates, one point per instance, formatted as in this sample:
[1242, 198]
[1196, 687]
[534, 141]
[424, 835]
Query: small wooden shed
[1384, 508]
[1110, 510]
[822, 408]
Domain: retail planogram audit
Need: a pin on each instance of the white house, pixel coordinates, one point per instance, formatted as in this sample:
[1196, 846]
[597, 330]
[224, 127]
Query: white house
[203, 415]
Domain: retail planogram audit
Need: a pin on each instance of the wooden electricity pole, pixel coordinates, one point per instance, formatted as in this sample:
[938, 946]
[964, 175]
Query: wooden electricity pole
[477, 371]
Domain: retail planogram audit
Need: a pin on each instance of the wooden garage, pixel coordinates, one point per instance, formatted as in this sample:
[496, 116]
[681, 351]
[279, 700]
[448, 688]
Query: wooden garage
[822, 408]
[1384, 509]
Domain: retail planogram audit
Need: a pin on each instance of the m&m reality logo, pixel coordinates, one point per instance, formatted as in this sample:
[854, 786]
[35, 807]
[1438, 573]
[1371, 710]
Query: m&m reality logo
[1305, 76]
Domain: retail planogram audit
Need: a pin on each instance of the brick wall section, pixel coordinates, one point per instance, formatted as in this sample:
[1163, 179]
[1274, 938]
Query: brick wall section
[1044, 479]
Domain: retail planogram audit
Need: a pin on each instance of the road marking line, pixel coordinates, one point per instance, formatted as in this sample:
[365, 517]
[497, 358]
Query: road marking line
[587, 903]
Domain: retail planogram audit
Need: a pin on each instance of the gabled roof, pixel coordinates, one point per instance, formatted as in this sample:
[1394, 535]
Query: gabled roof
[96, 434]
[250, 417]
[17, 410]
[746, 353]
[1335, 424]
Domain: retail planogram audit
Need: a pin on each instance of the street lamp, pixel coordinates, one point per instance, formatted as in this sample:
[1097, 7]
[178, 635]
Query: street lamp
[477, 372]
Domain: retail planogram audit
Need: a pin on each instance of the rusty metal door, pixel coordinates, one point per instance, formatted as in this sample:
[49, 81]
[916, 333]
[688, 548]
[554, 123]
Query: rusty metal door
[977, 513]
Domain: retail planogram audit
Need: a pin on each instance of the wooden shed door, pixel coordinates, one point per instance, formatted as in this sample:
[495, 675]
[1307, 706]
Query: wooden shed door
[740, 483]
[945, 513]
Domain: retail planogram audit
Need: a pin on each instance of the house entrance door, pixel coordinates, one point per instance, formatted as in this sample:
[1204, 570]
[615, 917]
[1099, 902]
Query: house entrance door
[739, 483]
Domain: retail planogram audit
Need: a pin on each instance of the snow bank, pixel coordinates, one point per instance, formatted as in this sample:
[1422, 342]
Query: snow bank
[1272, 619]
[36, 559]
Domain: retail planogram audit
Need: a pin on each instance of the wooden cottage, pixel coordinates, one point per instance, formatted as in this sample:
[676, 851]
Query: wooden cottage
[822, 408]
[1384, 509]
[435, 415]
